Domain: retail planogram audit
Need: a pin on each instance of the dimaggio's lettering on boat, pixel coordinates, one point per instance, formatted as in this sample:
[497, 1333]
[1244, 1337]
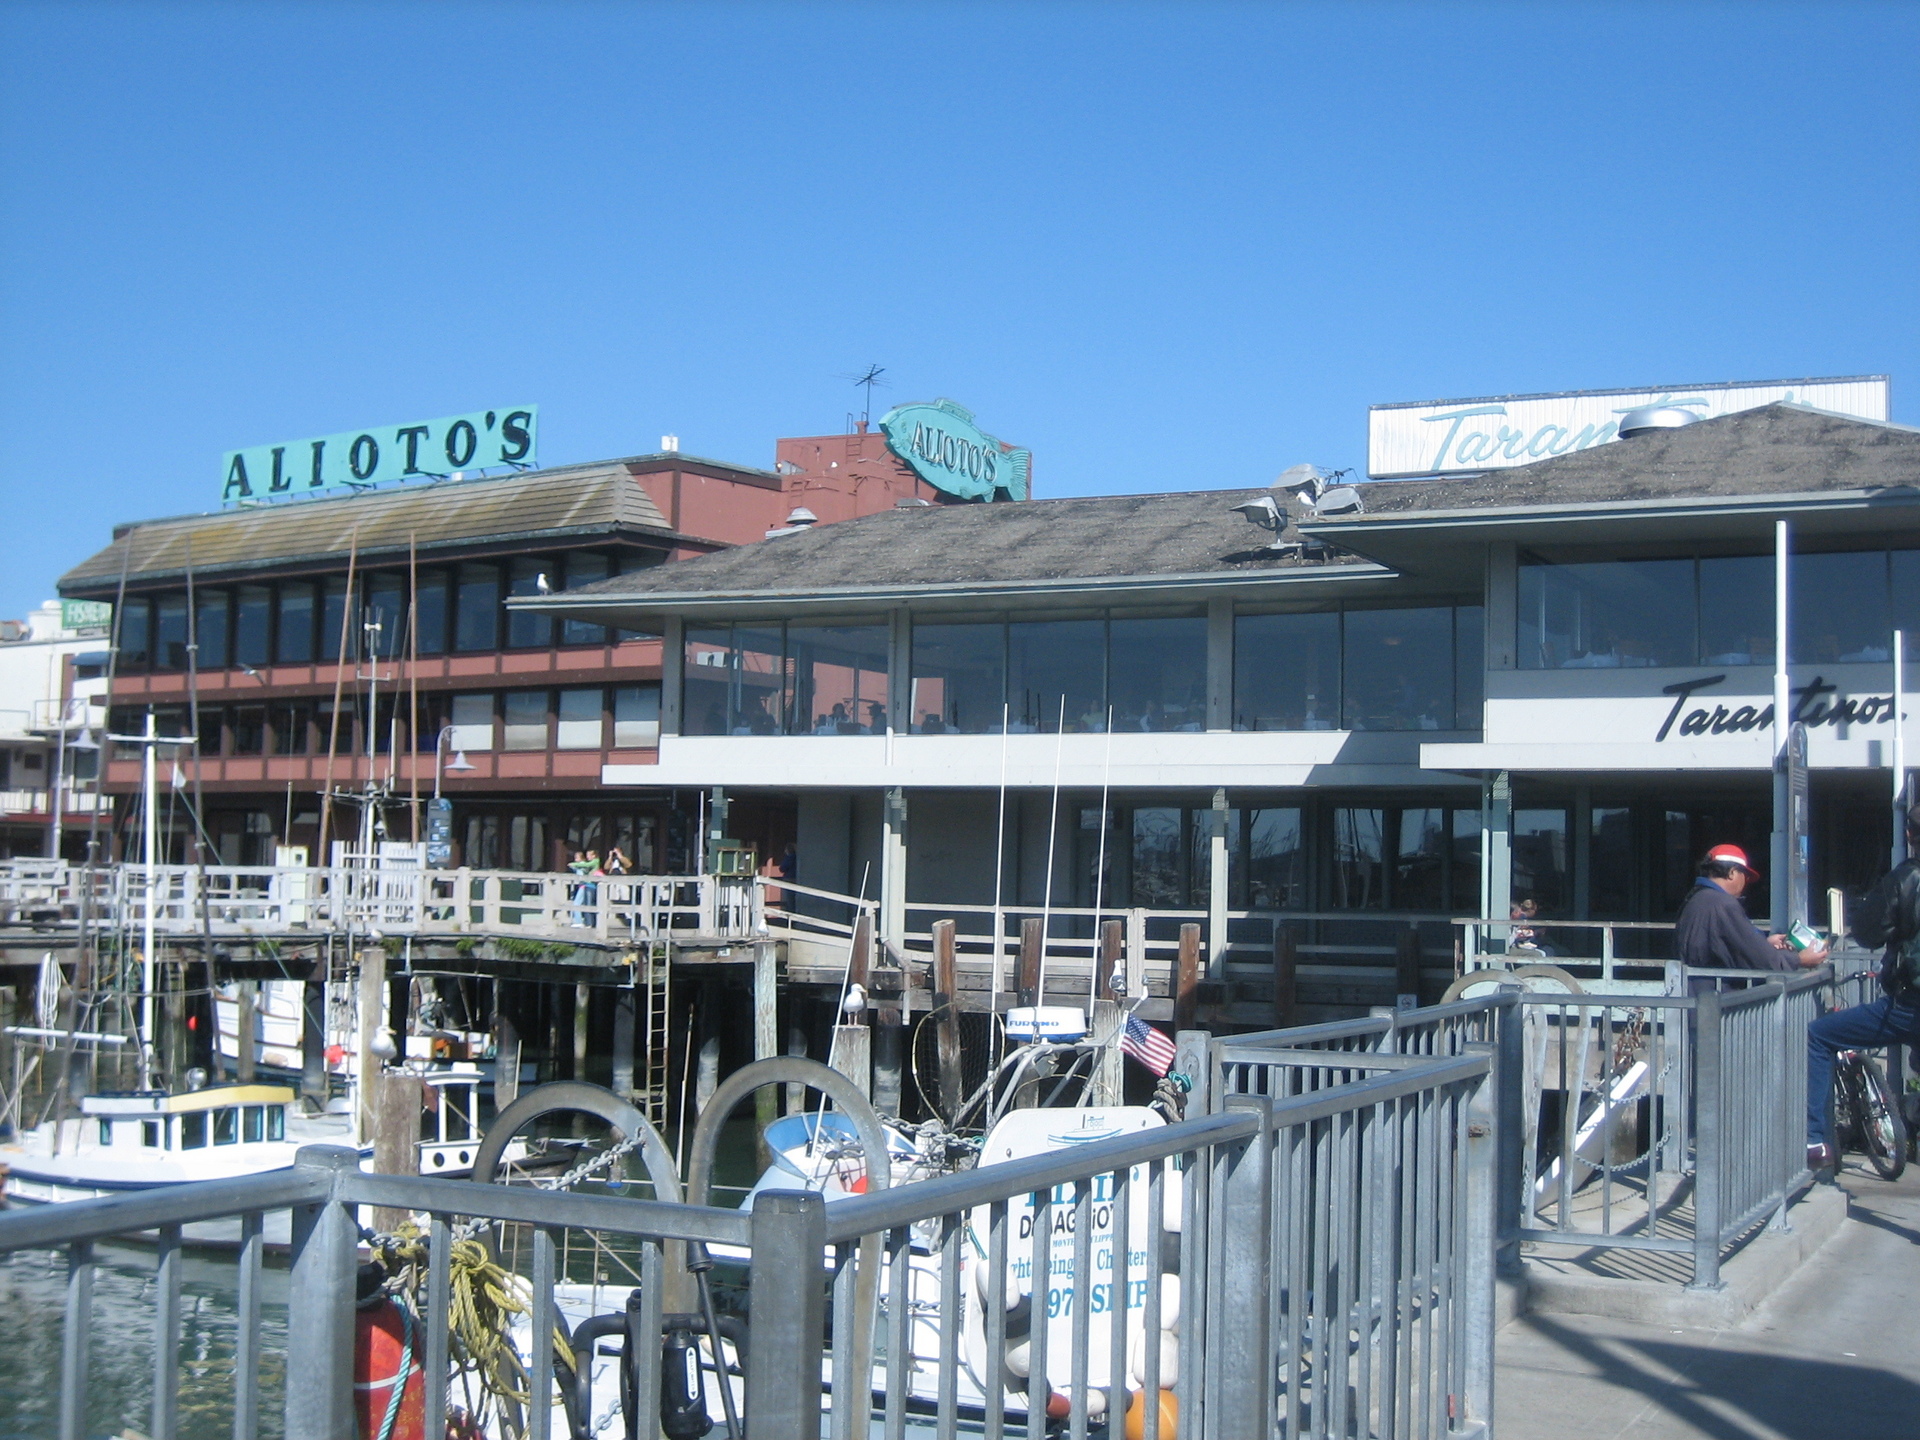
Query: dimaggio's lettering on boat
[1815, 703]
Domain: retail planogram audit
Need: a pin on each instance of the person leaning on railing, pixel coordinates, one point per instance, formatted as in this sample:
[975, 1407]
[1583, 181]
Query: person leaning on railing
[1890, 917]
[1713, 931]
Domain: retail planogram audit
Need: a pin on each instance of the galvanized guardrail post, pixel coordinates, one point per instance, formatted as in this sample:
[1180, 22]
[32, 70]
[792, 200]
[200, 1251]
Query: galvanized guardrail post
[1243, 1400]
[1510, 1131]
[1709, 1143]
[787, 1313]
[1486, 1199]
[325, 1268]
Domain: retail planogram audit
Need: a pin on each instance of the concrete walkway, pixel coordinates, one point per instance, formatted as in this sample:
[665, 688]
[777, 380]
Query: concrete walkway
[1834, 1355]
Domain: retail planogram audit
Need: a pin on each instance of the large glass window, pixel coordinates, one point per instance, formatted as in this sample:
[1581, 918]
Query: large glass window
[1160, 858]
[210, 628]
[579, 726]
[959, 677]
[1057, 675]
[249, 729]
[1157, 672]
[839, 679]
[1906, 594]
[1736, 610]
[636, 717]
[472, 722]
[527, 630]
[170, 632]
[1469, 666]
[1286, 672]
[293, 627]
[584, 567]
[758, 692]
[387, 604]
[476, 618]
[1609, 614]
[136, 634]
[706, 680]
[1359, 859]
[1540, 860]
[524, 714]
[1840, 610]
[1276, 864]
[333, 605]
[253, 625]
[1398, 670]
[430, 612]
[293, 723]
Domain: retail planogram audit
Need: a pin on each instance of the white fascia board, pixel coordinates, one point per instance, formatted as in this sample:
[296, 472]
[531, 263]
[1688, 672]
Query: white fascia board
[1268, 759]
[1539, 758]
[1684, 507]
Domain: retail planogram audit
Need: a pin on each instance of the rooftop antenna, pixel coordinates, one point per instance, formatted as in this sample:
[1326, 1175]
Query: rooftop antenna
[866, 380]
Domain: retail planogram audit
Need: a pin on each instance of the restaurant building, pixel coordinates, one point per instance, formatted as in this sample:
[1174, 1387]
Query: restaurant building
[1426, 698]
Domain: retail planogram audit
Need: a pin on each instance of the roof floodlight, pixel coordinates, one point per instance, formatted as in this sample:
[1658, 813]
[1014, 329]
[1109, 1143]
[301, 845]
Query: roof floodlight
[1265, 512]
[1341, 500]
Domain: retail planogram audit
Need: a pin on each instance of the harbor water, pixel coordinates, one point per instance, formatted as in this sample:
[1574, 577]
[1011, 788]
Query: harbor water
[33, 1301]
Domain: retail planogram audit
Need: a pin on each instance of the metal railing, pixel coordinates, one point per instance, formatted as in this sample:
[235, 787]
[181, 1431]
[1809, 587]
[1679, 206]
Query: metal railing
[1318, 1264]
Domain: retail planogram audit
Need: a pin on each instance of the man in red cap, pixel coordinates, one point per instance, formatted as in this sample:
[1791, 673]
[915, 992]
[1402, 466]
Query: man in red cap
[1714, 932]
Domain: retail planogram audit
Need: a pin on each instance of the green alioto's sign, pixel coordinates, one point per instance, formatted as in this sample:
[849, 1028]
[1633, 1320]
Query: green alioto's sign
[430, 449]
[942, 445]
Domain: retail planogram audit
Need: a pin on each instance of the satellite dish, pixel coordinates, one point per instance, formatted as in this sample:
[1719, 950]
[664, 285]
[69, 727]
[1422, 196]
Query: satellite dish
[1341, 500]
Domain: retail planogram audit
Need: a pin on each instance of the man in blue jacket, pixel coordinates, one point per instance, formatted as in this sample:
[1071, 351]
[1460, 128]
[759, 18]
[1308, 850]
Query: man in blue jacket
[1714, 932]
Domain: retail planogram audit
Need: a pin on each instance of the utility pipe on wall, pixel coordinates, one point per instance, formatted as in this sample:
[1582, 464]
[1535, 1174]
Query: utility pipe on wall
[1777, 868]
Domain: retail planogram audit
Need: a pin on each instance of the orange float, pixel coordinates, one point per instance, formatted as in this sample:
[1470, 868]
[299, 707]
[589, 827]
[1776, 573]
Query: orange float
[1137, 1416]
[386, 1356]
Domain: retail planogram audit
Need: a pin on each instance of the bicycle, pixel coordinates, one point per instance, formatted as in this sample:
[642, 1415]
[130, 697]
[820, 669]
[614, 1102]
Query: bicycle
[1867, 1117]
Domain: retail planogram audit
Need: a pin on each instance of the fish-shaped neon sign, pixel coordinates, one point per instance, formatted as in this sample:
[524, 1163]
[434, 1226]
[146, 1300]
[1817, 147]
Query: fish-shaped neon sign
[945, 448]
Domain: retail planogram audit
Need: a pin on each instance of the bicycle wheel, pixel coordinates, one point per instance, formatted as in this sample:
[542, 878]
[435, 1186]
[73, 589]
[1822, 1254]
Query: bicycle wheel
[1883, 1134]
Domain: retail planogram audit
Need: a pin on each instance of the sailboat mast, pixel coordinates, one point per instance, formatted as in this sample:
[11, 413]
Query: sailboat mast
[151, 830]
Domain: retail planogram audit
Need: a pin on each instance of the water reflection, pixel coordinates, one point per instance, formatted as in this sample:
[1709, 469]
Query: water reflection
[33, 1302]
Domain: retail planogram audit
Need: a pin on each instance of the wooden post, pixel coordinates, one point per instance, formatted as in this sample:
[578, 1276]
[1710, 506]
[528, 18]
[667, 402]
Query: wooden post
[623, 1008]
[1286, 978]
[1406, 969]
[506, 1051]
[1107, 1016]
[245, 1000]
[946, 1005]
[1033, 941]
[581, 1011]
[313, 1041]
[372, 1011]
[1186, 983]
[396, 1135]
[852, 1039]
[766, 1034]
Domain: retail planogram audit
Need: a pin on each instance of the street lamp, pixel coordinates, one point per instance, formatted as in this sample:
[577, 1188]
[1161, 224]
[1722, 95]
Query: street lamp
[459, 765]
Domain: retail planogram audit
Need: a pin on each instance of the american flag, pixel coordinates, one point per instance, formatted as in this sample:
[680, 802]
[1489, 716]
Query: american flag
[1149, 1046]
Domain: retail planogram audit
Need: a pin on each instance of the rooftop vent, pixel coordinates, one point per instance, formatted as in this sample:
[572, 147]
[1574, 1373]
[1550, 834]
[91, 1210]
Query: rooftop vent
[911, 502]
[1649, 418]
[669, 444]
[800, 515]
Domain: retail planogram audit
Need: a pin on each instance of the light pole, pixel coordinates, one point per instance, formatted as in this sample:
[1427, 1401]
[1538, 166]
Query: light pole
[459, 765]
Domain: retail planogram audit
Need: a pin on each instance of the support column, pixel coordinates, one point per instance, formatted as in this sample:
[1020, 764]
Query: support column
[766, 1027]
[1217, 897]
[313, 1043]
[245, 1002]
[893, 867]
[623, 1014]
[1496, 847]
[673, 654]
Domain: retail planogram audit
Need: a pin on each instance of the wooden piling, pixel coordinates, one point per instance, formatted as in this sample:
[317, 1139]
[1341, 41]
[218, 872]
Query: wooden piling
[852, 1036]
[313, 1042]
[372, 1007]
[1107, 1014]
[1186, 984]
[1033, 943]
[766, 1033]
[946, 1005]
[1286, 978]
[506, 1051]
[245, 1014]
[397, 1099]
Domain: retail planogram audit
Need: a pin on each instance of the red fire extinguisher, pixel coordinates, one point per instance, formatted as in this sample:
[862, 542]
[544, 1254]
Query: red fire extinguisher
[389, 1387]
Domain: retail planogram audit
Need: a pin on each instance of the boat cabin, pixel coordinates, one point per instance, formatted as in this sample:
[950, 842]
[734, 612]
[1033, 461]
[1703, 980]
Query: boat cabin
[216, 1115]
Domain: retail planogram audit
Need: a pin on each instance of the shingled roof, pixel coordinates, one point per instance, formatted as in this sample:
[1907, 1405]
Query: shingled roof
[1779, 449]
[601, 498]
[1037, 543]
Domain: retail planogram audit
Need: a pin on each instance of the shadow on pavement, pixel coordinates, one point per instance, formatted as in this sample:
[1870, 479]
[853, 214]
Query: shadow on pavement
[1732, 1394]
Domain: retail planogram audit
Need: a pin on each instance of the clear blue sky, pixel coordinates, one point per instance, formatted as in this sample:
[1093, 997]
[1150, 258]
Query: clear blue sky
[1165, 246]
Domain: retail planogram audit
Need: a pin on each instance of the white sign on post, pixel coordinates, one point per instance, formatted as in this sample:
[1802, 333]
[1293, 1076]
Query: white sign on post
[1450, 437]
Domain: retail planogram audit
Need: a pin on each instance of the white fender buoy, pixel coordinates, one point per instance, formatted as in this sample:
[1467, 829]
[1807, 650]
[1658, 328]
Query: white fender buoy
[1018, 1359]
[1137, 1358]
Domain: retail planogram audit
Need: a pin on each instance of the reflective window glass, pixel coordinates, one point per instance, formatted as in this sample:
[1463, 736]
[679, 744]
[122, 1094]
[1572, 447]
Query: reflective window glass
[524, 720]
[959, 677]
[333, 604]
[226, 1125]
[249, 729]
[1276, 865]
[1466, 862]
[170, 632]
[839, 679]
[636, 718]
[1423, 861]
[531, 630]
[584, 567]
[252, 625]
[759, 692]
[1736, 610]
[387, 603]
[293, 628]
[1469, 666]
[1840, 611]
[579, 726]
[1398, 670]
[471, 717]
[1613, 860]
[1540, 860]
[1606, 615]
[1286, 672]
[1359, 859]
[476, 612]
[276, 1122]
[1905, 566]
[193, 1130]
[293, 722]
[430, 613]
[1159, 858]
[210, 628]
[1057, 675]
[1157, 673]
[252, 1124]
[136, 634]
[706, 680]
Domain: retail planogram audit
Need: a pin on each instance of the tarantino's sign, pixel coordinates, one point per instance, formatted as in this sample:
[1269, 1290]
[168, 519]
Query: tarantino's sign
[430, 449]
[1814, 704]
